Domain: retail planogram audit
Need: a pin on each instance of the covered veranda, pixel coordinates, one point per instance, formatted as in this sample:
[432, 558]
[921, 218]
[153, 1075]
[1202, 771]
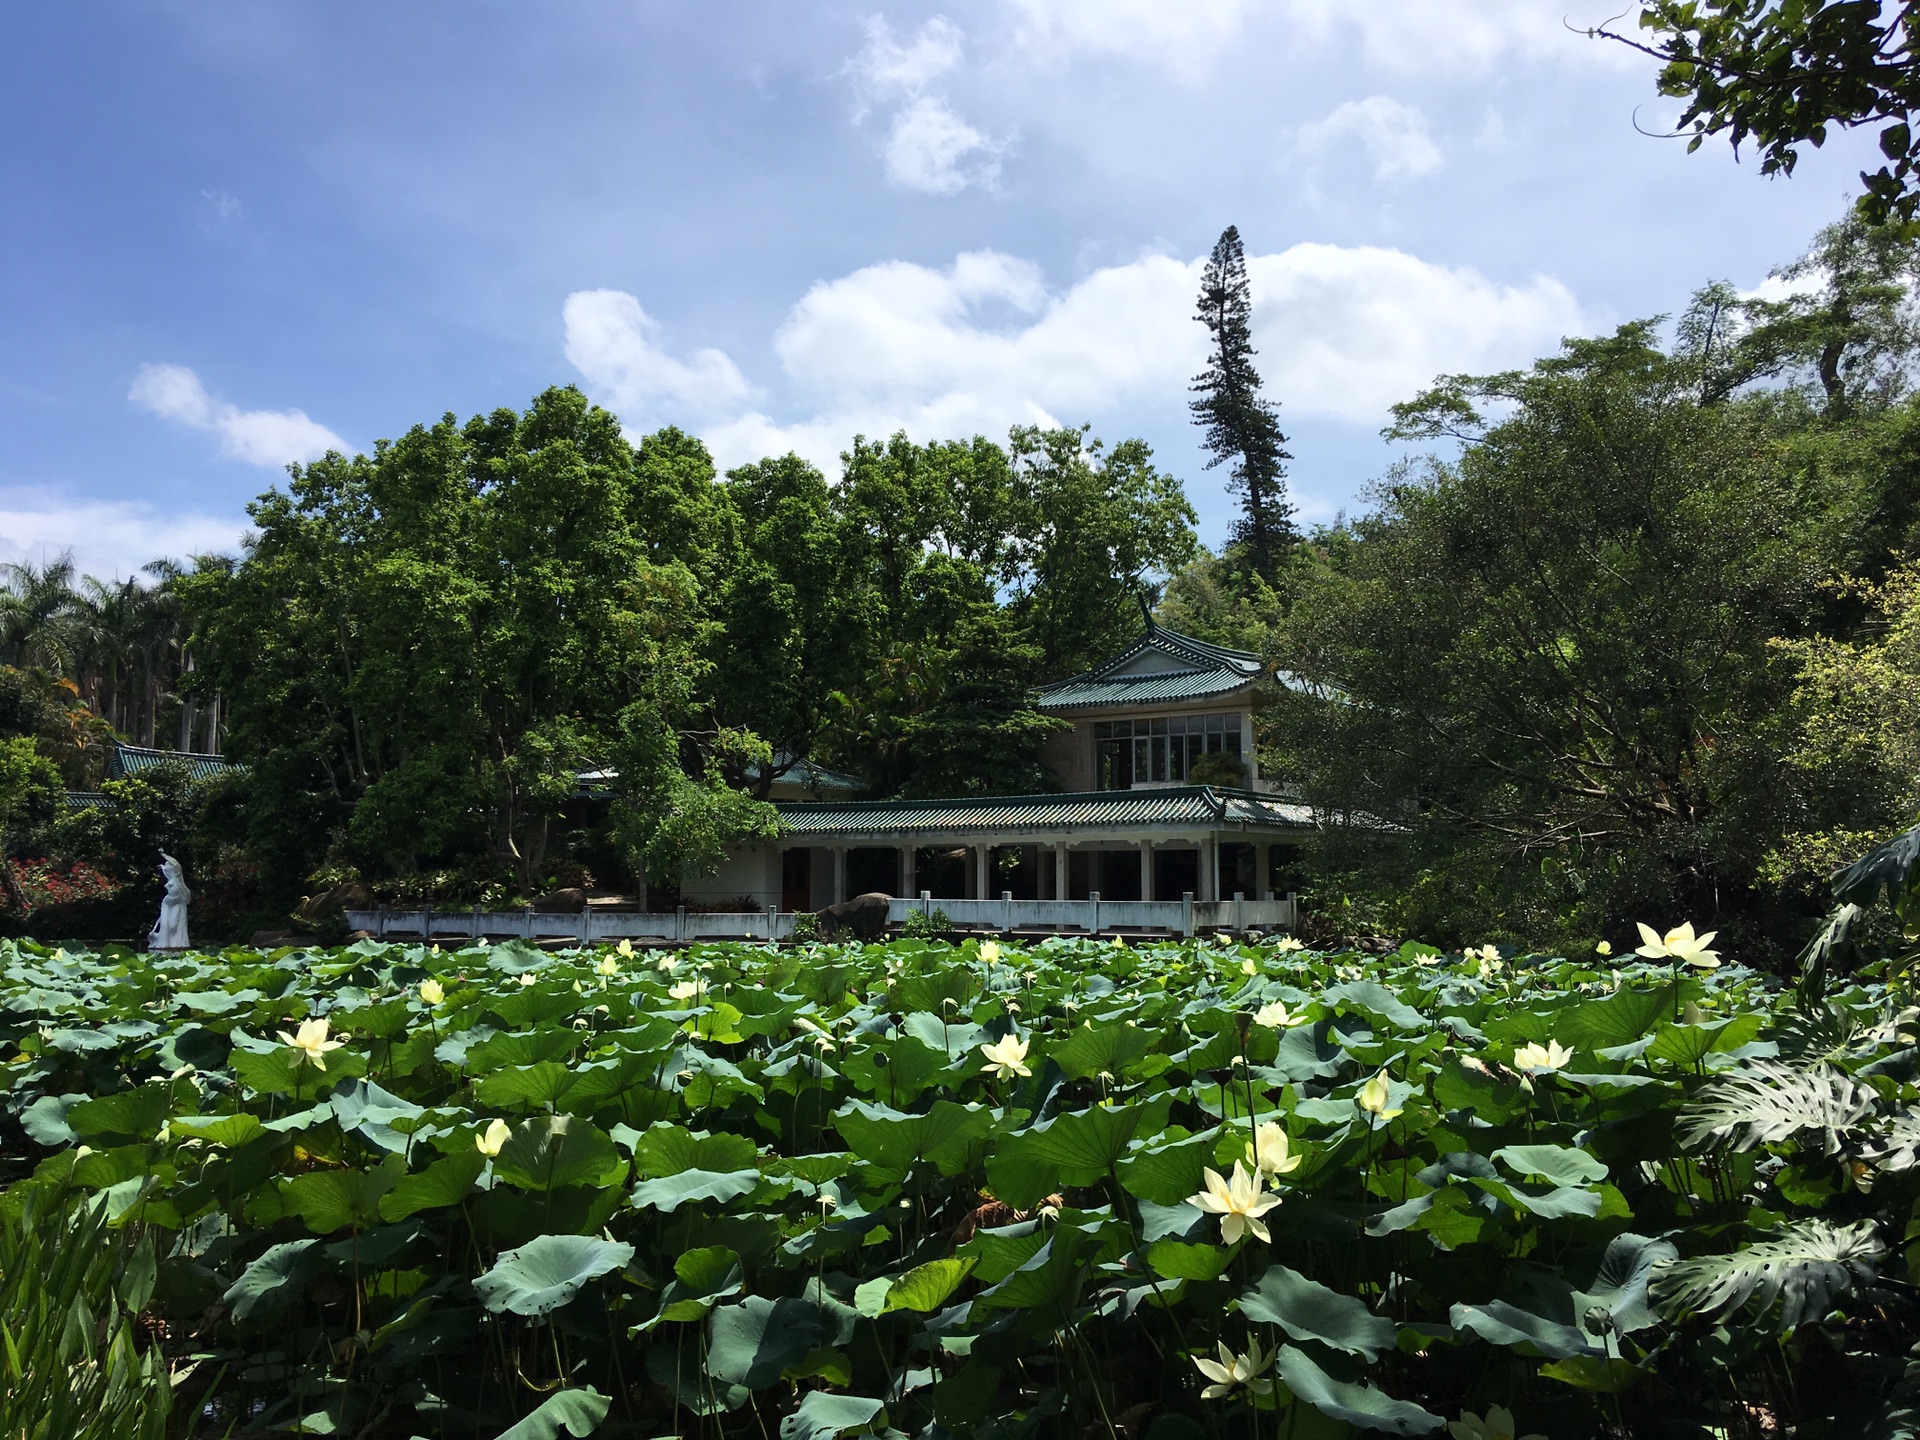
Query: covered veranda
[1164, 843]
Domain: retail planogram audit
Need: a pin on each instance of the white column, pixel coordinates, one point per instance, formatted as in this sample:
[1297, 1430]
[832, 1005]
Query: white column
[907, 877]
[1247, 752]
[1209, 879]
[1146, 869]
[839, 873]
[982, 872]
[1060, 870]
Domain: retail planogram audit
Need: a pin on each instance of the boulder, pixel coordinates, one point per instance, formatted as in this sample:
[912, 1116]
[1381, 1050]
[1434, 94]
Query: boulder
[570, 901]
[341, 898]
[864, 917]
[273, 939]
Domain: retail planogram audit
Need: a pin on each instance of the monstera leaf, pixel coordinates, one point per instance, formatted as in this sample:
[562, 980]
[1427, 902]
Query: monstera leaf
[1768, 1102]
[1802, 1270]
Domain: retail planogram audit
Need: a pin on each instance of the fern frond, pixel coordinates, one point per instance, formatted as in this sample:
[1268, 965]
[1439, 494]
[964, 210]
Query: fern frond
[1801, 1269]
[1768, 1102]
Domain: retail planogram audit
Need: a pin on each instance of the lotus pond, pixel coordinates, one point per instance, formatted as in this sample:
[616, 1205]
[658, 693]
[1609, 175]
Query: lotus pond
[1170, 1190]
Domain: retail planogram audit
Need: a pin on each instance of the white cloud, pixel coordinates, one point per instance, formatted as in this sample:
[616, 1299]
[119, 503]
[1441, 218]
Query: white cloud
[1396, 137]
[225, 206]
[886, 70]
[1182, 37]
[1344, 332]
[108, 539]
[271, 438]
[615, 345]
[1413, 35]
[927, 144]
[1451, 36]
[930, 147]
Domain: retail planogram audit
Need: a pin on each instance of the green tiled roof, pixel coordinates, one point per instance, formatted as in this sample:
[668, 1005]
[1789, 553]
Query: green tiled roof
[1183, 807]
[129, 760]
[84, 799]
[1196, 670]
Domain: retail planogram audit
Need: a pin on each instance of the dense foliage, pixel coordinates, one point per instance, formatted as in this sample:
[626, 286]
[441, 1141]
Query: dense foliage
[1078, 1188]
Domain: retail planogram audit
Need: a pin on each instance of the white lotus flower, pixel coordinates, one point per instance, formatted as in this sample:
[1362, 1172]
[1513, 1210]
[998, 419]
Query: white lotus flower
[1551, 1056]
[684, 990]
[1006, 1059]
[1267, 1152]
[989, 951]
[1289, 943]
[1680, 944]
[527, 979]
[608, 966]
[1275, 1016]
[489, 1141]
[432, 992]
[1374, 1095]
[1238, 1202]
[312, 1043]
[1231, 1371]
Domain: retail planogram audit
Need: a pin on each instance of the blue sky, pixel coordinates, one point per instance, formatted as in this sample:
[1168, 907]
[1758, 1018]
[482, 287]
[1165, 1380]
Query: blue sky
[236, 233]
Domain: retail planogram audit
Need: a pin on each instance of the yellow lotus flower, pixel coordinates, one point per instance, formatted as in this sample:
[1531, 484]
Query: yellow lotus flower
[1238, 1202]
[1551, 1056]
[608, 966]
[312, 1043]
[989, 951]
[489, 1141]
[685, 990]
[624, 949]
[1605, 947]
[1231, 1371]
[1288, 942]
[431, 992]
[1497, 1426]
[1374, 1095]
[666, 964]
[1680, 944]
[1485, 952]
[1267, 1152]
[1249, 967]
[821, 1037]
[1006, 1059]
[1275, 1016]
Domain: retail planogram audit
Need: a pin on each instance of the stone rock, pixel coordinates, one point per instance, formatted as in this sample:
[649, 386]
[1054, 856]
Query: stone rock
[864, 917]
[341, 898]
[570, 901]
[272, 939]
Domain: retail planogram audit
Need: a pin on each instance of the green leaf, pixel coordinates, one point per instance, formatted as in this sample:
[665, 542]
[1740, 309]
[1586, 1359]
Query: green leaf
[131, 1114]
[525, 1085]
[1802, 1269]
[926, 1287]
[553, 1152]
[1594, 1372]
[446, 1182]
[1109, 1046]
[1077, 1148]
[1560, 1164]
[577, 1411]
[893, 1142]
[1177, 1260]
[228, 1130]
[687, 1165]
[1361, 1406]
[1168, 1173]
[330, 1200]
[822, 1416]
[751, 1343]
[702, 1278]
[669, 1192]
[1374, 998]
[1499, 1323]
[274, 1281]
[547, 1272]
[45, 1121]
[1308, 1310]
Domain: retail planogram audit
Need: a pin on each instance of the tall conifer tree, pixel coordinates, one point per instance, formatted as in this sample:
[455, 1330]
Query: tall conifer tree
[1242, 426]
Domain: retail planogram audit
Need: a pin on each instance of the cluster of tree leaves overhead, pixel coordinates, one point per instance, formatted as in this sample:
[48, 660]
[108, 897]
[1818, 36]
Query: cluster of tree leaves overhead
[1565, 660]
[424, 647]
[1782, 72]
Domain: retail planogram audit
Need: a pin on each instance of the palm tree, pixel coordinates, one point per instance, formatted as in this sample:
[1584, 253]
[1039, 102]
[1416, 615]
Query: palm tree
[35, 604]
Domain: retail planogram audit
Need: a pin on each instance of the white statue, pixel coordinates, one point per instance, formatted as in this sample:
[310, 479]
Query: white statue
[170, 930]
